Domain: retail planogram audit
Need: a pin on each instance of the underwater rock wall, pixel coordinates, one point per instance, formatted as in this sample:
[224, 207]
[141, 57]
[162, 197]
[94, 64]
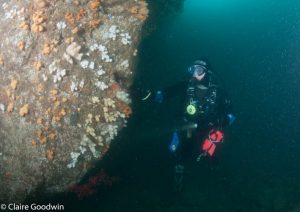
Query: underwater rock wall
[65, 70]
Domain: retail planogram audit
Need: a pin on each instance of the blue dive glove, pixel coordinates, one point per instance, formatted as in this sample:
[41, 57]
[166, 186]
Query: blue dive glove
[159, 97]
[174, 142]
[231, 118]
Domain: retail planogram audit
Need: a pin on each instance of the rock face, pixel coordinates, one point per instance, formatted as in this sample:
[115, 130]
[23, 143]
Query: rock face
[65, 69]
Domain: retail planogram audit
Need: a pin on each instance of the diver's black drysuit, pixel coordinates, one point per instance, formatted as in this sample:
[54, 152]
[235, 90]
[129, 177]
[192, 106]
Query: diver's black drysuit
[199, 106]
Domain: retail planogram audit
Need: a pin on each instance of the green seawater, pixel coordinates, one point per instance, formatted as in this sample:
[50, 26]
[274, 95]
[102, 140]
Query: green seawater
[254, 48]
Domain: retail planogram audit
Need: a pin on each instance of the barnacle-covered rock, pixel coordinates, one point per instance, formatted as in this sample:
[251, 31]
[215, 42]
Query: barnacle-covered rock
[60, 104]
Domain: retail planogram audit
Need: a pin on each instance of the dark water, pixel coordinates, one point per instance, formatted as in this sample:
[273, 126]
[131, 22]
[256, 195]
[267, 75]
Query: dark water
[254, 47]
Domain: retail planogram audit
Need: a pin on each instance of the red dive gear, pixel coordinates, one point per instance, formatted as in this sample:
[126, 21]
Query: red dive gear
[209, 144]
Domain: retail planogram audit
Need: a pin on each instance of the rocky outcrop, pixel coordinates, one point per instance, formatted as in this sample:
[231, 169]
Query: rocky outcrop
[65, 70]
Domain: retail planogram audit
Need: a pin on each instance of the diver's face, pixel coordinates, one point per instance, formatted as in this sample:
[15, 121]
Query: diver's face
[198, 76]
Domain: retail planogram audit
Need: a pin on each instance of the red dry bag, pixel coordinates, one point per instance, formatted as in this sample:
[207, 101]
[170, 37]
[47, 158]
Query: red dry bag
[209, 144]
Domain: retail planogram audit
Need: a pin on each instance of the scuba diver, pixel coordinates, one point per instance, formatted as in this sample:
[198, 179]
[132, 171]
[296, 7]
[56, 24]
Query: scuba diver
[206, 111]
